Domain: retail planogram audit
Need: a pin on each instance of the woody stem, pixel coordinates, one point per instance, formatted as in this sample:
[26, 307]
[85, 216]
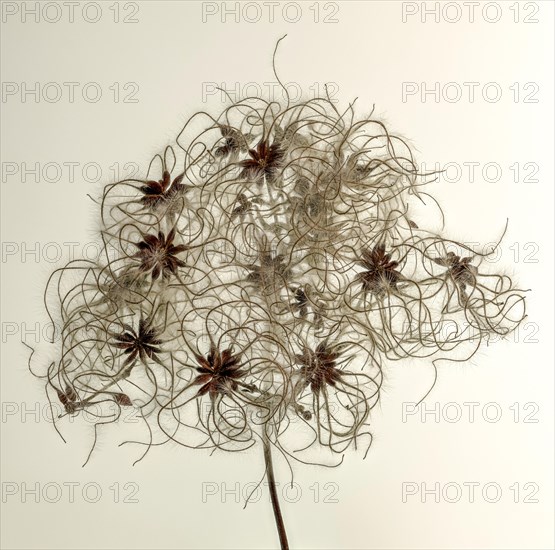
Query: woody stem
[273, 494]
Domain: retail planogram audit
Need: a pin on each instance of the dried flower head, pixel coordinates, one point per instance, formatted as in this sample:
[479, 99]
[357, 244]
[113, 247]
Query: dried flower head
[380, 273]
[162, 190]
[460, 269]
[234, 141]
[304, 286]
[218, 372]
[158, 255]
[263, 162]
[142, 343]
[319, 367]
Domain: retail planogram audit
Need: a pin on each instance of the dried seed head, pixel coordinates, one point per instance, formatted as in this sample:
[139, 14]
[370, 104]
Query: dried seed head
[143, 343]
[381, 274]
[158, 255]
[218, 372]
[264, 161]
[157, 192]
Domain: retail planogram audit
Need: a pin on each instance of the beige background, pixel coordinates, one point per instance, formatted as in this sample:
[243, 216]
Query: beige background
[368, 53]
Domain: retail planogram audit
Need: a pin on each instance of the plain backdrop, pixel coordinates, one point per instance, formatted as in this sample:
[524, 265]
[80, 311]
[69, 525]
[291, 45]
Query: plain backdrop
[170, 60]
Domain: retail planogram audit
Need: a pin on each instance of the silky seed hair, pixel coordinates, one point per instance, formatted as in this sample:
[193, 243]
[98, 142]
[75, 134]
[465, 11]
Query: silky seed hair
[256, 283]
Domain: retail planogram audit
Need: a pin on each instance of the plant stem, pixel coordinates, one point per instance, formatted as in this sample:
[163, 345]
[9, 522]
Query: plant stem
[273, 494]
